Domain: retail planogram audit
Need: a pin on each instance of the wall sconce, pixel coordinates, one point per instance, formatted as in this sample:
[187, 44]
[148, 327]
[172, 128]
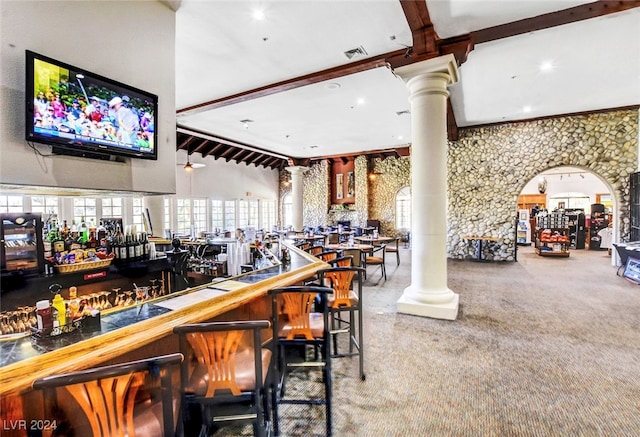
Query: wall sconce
[374, 175]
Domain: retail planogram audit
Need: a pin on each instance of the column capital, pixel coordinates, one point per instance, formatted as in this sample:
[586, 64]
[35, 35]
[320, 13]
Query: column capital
[297, 169]
[444, 65]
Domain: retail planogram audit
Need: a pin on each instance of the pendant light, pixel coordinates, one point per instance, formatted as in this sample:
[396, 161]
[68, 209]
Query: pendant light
[188, 166]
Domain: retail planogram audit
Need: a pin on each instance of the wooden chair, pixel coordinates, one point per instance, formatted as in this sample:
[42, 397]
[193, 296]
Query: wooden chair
[377, 258]
[301, 321]
[342, 261]
[224, 373]
[302, 245]
[346, 297]
[328, 255]
[315, 250]
[133, 399]
[394, 247]
[334, 238]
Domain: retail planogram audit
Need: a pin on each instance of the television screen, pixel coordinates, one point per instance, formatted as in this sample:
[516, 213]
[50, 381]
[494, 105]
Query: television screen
[84, 114]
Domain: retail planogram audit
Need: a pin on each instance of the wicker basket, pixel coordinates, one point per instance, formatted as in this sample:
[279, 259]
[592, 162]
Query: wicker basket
[79, 267]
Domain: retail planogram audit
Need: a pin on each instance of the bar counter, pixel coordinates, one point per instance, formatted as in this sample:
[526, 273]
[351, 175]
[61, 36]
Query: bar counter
[24, 360]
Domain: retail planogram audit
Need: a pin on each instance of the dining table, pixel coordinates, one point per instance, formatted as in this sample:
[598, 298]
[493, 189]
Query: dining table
[370, 239]
[350, 248]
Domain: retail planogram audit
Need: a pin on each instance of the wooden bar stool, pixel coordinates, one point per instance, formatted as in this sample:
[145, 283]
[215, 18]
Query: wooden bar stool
[224, 373]
[301, 320]
[133, 398]
[346, 298]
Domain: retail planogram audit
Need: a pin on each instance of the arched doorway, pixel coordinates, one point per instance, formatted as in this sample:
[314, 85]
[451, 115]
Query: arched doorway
[567, 194]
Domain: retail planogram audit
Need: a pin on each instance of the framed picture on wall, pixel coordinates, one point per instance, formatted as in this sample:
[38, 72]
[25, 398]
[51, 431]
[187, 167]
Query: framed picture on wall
[351, 185]
[339, 186]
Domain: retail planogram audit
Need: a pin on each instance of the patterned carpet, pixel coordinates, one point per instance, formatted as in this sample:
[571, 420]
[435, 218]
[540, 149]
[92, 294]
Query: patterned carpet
[541, 347]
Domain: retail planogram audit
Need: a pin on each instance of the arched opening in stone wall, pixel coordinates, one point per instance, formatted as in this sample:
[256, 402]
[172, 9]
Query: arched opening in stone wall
[562, 197]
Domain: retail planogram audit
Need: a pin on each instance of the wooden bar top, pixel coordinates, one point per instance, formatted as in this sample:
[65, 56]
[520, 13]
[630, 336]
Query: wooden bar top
[17, 377]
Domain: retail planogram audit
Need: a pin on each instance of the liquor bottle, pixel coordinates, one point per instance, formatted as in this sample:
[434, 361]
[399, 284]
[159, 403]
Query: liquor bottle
[131, 248]
[57, 242]
[49, 238]
[137, 244]
[72, 242]
[83, 233]
[102, 235]
[146, 246]
[124, 253]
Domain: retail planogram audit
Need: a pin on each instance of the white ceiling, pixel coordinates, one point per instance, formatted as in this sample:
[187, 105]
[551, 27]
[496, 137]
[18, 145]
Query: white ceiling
[221, 51]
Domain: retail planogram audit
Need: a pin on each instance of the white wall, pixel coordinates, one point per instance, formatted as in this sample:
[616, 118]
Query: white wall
[225, 180]
[129, 41]
[571, 182]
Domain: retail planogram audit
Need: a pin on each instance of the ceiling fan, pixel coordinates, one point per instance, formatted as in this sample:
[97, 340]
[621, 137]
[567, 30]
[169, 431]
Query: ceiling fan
[192, 165]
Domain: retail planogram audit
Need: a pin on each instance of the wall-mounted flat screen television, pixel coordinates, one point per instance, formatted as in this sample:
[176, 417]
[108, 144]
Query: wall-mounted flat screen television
[84, 114]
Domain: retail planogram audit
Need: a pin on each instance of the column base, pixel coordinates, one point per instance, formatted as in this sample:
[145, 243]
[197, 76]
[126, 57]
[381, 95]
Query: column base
[445, 311]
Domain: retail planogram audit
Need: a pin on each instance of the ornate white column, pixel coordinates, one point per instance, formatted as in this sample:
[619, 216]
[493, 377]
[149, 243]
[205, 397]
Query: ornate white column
[428, 294]
[155, 205]
[297, 173]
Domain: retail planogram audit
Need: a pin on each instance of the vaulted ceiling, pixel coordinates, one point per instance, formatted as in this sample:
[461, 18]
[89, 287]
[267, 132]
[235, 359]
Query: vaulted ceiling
[314, 80]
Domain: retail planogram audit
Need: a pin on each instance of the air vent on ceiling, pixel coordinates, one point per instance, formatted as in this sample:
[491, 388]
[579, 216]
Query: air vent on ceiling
[358, 51]
[405, 112]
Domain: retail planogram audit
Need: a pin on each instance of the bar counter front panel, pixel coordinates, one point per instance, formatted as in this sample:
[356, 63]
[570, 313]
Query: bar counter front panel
[126, 331]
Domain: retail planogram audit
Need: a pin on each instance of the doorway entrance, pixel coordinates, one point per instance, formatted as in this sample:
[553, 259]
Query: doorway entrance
[570, 208]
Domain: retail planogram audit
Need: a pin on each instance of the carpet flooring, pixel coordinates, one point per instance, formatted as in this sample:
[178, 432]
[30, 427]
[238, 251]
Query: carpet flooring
[541, 347]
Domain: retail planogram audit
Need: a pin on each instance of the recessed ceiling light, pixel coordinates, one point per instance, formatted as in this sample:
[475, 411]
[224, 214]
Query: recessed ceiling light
[258, 14]
[526, 109]
[546, 66]
[400, 137]
[332, 86]
[360, 101]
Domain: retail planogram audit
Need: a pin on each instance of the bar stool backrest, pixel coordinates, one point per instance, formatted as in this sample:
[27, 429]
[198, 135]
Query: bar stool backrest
[107, 397]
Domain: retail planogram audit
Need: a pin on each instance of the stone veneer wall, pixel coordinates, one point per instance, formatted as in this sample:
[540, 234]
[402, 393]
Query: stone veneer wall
[393, 174]
[315, 194]
[489, 166]
[487, 169]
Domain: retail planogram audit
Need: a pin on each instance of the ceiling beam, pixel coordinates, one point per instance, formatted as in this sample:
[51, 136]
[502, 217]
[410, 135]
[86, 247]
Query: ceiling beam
[552, 19]
[308, 79]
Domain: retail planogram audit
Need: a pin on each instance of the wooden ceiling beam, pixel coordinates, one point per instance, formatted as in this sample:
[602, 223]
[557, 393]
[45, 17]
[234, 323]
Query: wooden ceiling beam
[552, 19]
[286, 85]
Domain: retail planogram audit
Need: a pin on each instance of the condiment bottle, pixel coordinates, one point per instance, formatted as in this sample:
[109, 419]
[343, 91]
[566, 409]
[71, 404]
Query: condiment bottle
[59, 308]
[43, 315]
[74, 303]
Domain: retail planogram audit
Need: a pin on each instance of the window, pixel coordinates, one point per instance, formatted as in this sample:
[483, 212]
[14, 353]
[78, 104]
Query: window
[243, 213]
[84, 208]
[200, 215]
[403, 208]
[167, 214]
[287, 210]
[253, 214]
[217, 214]
[112, 207]
[184, 216]
[229, 215]
[11, 203]
[45, 205]
[268, 214]
[138, 213]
